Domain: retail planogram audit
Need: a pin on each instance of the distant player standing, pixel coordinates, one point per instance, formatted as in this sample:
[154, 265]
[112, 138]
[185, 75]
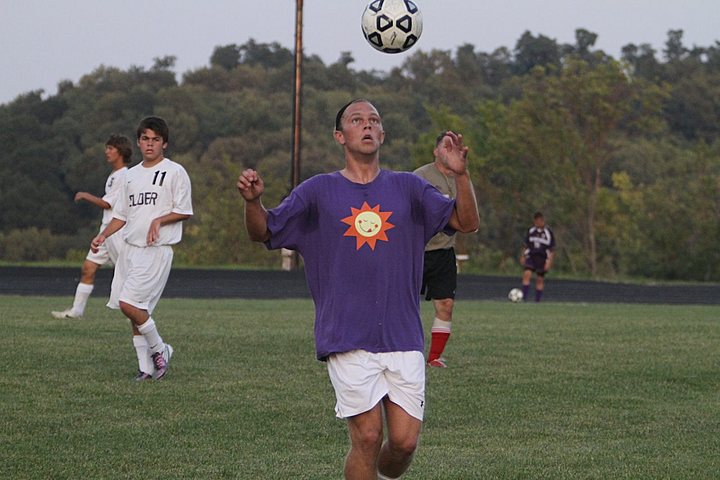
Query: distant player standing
[155, 199]
[537, 255]
[440, 265]
[118, 152]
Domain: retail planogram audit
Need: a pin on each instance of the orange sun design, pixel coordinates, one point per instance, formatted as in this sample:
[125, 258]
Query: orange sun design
[368, 225]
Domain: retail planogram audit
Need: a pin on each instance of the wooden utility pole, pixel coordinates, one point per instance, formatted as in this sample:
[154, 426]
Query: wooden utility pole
[297, 110]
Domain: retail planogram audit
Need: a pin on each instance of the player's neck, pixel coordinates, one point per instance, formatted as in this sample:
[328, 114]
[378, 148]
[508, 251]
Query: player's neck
[363, 170]
[443, 169]
[117, 165]
[149, 163]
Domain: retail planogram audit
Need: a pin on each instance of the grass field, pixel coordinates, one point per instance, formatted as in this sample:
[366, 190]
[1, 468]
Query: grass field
[548, 391]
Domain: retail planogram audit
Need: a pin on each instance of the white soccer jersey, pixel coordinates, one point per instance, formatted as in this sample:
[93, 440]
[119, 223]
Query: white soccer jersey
[149, 193]
[113, 186]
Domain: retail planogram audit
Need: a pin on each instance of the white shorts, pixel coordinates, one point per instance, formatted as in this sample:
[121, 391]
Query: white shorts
[109, 251]
[140, 276]
[361, 379]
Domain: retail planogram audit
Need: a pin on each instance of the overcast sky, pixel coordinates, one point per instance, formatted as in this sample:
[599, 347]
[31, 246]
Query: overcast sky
[43, 42]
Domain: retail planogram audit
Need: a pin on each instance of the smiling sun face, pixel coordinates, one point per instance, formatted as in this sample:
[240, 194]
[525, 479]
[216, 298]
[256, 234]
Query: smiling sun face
[368, 225]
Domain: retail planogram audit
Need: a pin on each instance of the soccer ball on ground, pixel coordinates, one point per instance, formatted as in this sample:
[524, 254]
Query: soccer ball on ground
[515, 295]
[392, 26]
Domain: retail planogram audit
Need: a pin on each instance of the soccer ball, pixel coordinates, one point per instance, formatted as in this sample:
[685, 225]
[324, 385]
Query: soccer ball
[515, 295]
[392, 26]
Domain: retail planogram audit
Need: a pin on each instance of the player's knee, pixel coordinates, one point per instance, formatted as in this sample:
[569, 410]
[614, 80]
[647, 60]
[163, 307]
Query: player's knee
[368, 439]
[87, 271]
[445, 305]
[404, 446]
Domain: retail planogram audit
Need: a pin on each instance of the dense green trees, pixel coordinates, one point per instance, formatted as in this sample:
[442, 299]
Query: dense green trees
[559, 139]
[621, 155]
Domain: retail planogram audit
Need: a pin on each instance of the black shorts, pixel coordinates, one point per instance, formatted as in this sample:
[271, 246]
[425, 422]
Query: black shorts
[536, 263]
[439, 274]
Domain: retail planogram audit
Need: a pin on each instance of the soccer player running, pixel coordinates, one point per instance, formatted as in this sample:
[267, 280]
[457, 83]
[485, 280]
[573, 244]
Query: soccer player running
[537, 255]
[362, 233]
[118, 152]
[440, 267]
[155, 200]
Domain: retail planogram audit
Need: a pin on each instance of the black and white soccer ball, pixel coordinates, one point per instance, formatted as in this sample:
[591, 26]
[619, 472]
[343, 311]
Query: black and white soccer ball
[392, 26]
[515, 295]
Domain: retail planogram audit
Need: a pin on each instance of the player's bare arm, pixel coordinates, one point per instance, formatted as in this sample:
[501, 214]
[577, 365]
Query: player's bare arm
[465, 217]
[453, 154]
[114, 225]
[90, 198]
[154, 230]
[548, 261]
[251, 187]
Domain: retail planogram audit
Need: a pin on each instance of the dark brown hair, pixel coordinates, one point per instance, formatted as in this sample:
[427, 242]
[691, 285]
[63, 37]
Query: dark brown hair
[157, 125]
[122, 144]
[341, 112]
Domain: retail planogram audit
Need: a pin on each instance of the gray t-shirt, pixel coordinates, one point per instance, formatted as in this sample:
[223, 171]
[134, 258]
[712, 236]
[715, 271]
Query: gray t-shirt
[447, 186]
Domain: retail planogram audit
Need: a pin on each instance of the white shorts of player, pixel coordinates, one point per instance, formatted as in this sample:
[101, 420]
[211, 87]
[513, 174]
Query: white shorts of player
[109, 251]
[361, 379]
[140, 276]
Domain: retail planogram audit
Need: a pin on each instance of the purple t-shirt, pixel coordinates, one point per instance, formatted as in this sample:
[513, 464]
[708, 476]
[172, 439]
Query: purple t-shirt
[363, 249]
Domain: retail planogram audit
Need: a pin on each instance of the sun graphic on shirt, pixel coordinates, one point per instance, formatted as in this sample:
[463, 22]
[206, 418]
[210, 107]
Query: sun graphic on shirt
[367, 225]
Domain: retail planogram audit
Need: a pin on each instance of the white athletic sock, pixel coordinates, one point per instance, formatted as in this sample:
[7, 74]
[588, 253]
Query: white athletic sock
[383, 477]
[82, 293]
[142, 351]
[441, 326]
[149, 331]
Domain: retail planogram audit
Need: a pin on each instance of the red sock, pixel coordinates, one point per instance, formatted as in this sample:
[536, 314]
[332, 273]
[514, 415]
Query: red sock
[437, 344]
[440, 332]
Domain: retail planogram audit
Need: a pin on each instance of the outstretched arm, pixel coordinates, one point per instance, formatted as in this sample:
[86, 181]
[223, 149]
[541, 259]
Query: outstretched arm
[90, 198]
[251, 188]
[453, 154]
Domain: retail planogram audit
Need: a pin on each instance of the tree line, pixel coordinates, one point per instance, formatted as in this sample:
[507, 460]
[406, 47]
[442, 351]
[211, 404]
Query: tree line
[621, 155]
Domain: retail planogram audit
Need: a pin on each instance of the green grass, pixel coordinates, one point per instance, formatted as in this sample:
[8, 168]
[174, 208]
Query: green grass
[556, 391]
